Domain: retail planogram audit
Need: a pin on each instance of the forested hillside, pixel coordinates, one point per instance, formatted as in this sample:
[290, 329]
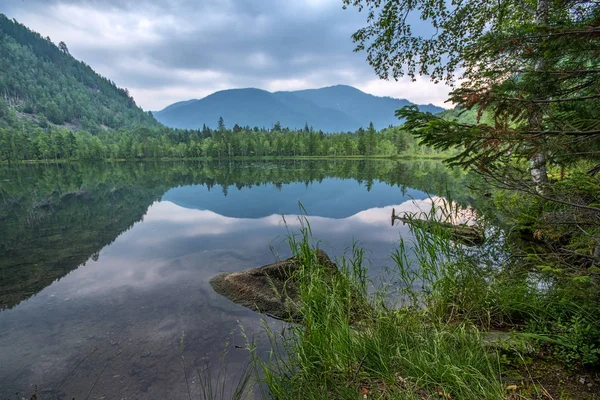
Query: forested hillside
[42, 83]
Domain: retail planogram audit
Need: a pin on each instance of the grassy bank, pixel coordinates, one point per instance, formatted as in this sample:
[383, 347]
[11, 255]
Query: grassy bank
[460, 323]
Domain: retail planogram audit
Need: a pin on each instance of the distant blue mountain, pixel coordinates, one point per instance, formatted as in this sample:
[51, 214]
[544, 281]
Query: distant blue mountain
[331, 109]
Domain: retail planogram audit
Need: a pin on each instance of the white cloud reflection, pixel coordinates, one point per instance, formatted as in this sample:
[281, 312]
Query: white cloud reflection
[174, 241]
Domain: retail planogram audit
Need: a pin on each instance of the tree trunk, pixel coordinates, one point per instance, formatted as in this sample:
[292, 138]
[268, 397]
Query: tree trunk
[596, 253]
[537, 162]
[537, 169]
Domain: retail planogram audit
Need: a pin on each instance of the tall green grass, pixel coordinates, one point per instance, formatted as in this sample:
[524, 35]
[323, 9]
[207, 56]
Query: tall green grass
[427, 336]
[214, 381]
[492, 288]
[351, 345]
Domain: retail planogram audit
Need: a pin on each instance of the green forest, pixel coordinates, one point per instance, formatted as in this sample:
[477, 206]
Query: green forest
[43, 84]
[59, 143]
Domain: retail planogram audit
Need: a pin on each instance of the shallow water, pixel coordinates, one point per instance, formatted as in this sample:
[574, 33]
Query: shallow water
[104, 269]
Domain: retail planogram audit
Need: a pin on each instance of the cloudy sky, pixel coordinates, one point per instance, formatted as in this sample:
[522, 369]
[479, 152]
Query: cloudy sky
[165, 51]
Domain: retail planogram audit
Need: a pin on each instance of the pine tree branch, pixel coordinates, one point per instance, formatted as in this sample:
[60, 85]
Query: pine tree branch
[488, 128]
[585, 32]
[547, 101]
[526, 189]
[553, 133]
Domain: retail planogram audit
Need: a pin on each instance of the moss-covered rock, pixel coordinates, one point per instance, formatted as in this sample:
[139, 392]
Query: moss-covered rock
[271, 289]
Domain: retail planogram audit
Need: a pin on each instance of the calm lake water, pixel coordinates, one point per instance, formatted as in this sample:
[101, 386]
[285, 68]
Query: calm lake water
[104, 269]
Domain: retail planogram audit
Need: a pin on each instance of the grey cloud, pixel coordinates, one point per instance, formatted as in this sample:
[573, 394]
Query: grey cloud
[282, 38]
[251, 27]
[248, 43]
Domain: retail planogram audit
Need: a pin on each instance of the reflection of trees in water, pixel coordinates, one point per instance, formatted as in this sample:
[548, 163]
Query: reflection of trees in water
[54, 218]
[42, 243]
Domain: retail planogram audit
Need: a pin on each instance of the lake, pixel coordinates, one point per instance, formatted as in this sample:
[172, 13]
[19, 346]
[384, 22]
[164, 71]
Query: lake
[105, 268]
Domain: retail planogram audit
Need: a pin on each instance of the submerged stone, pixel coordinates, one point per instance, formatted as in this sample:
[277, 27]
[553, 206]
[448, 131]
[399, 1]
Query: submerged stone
[269, 289]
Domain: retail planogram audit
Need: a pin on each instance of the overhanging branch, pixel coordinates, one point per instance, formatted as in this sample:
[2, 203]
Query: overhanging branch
[547, 101]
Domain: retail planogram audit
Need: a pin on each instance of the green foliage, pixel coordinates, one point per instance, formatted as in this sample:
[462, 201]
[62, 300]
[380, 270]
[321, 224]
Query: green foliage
[387, 354]
[528, 124]
[578, 341]
[57, 143]
[530, 76]
[394, 48]
[465, 116]
[41, 80]
[534, 293]
[563, 222]
[556, 246]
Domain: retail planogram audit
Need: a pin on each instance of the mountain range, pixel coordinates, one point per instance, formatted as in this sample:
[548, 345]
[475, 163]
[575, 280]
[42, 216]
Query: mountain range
[338, 108]
[43, 84]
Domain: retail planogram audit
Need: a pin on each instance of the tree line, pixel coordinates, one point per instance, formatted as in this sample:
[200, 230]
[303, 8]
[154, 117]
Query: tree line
[22, 140]
[54, 107]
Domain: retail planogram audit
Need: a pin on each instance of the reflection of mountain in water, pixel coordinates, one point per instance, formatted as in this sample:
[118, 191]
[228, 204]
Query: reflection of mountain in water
[333, 198]
[53, 218]
[208, 225]
[62, 232]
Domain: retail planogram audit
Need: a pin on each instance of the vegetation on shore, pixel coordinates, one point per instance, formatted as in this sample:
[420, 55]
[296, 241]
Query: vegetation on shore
[390, 353]
[458, 323]
[59, 143]
[530, 88]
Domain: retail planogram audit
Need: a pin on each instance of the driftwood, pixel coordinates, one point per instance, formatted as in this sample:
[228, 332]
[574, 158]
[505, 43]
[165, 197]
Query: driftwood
[462, 233]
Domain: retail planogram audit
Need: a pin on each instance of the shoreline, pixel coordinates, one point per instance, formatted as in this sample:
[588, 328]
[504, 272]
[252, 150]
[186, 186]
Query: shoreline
[432, 157]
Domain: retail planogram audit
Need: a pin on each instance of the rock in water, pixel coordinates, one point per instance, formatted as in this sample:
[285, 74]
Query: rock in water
[269, 289]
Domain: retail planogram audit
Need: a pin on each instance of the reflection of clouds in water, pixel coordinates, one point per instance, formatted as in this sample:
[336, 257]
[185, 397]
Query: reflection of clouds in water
[202, 222]
[137, 258]
[113, 271]
[108, 273]
[151, 284]
[129, 261]
[139, 307]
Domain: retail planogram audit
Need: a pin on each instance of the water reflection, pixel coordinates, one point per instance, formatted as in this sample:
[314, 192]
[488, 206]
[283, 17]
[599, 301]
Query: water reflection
[134, 247]
[330, 197]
